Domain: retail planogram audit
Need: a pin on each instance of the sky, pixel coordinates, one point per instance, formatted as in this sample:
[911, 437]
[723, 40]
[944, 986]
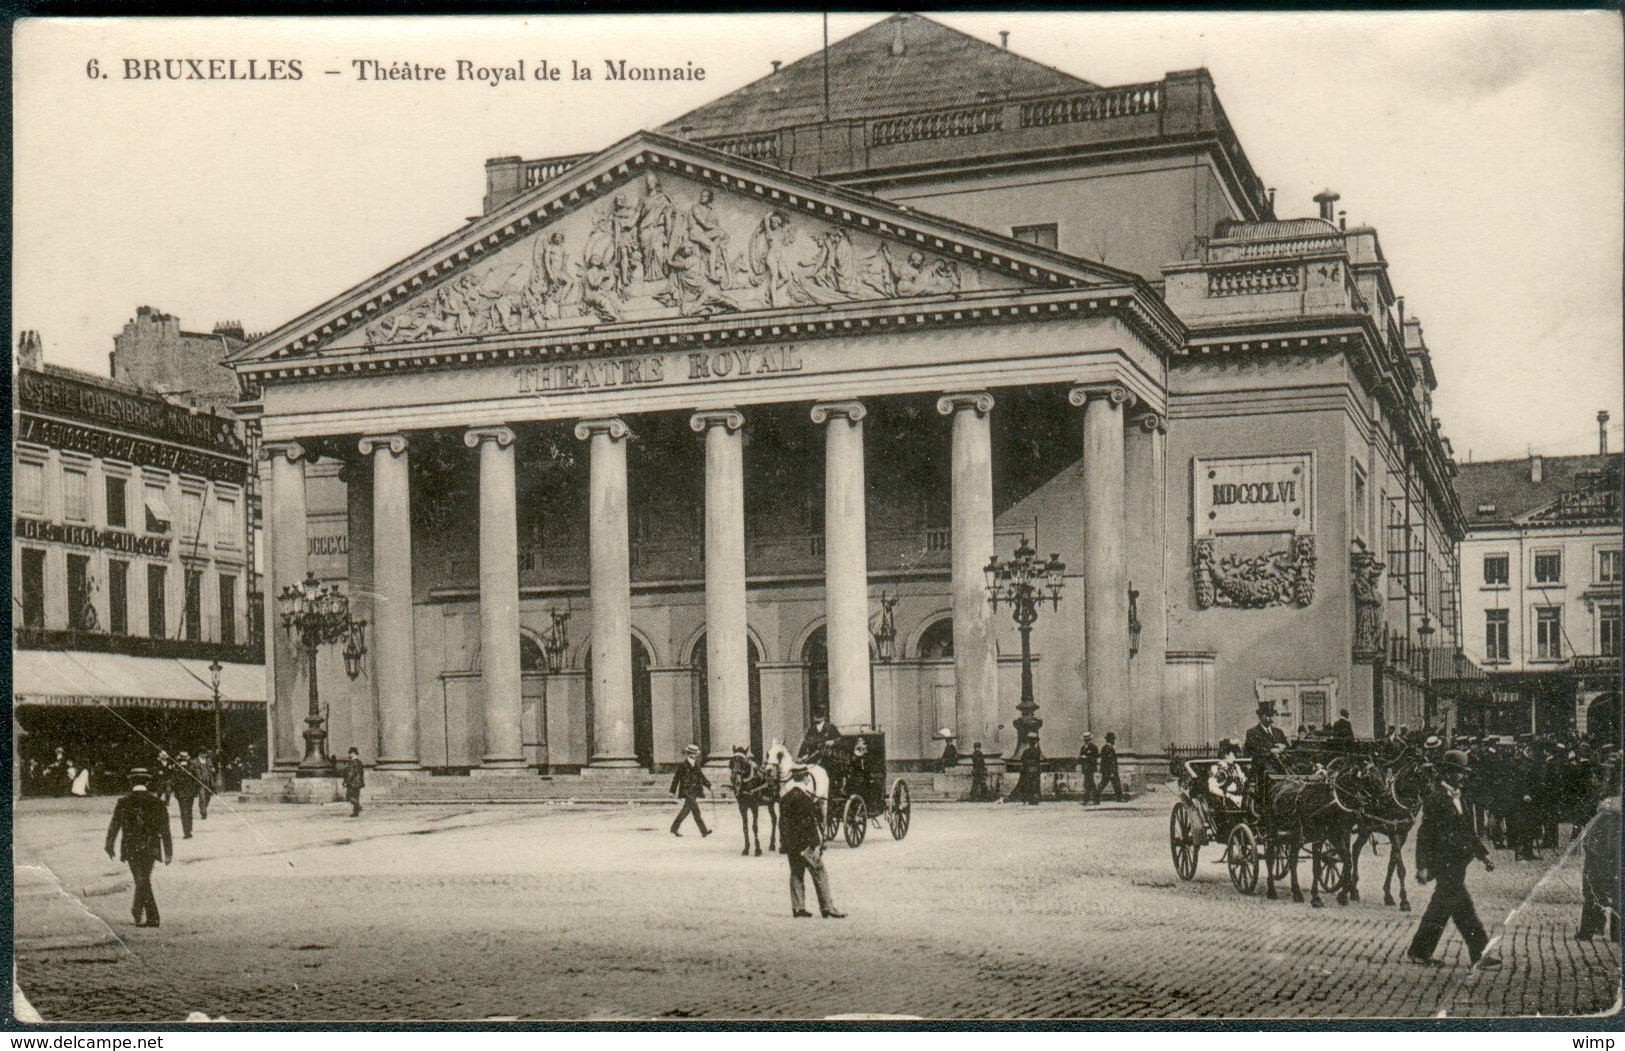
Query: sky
[1484, 147]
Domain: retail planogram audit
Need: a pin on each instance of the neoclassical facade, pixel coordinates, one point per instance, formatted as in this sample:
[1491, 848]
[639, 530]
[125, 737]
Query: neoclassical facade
[731, 417]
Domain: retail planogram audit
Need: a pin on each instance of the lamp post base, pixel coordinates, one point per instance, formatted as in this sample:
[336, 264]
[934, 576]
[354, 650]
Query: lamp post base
[316, 762]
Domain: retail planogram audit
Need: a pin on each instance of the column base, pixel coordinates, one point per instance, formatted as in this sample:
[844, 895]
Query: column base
[604, 762]
[397, 764]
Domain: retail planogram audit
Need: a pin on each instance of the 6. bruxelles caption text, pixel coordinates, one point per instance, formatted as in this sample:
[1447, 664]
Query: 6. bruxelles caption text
[376, 71]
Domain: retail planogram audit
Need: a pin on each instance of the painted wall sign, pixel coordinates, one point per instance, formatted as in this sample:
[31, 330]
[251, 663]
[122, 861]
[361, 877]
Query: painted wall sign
[89, 536]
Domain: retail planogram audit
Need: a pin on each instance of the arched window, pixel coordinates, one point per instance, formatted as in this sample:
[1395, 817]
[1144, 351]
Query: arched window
[815, 658]
[531, 658]
[643, 746]
[699, 662]
[937, 641]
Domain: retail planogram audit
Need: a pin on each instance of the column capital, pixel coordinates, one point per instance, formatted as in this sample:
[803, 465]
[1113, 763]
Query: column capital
[705, 419]
[1115, 393]
[396, 443]
[613, 426]
[852, 411]
[503, 436]
[1152, 422]
[289, 449]
[979, 400]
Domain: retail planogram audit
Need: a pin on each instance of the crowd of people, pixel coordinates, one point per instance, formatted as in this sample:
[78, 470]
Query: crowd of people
[88, 769]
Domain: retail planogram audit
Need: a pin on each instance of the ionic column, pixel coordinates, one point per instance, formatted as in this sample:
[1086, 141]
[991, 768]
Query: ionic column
[499, 597]
[611, 593]
[976, 668]
[846, 567]
[290, 540]
[393, 648]
[1105, 570]
[1143, 461]
[727, 652]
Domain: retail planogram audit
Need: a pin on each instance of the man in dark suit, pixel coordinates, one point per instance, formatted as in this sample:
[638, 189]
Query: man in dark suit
[1088, 761]
[1264, 745]
[803, 839]
[822, 737]
[1108, 768]
[1342, 729]
[143, 819]
[689, 783]
[185, 787]
[1445, 846]
[1030, 786]
[354, 773]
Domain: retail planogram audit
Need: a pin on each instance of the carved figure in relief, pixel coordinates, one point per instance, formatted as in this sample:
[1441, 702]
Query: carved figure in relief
[1276, 578]
[657, 216]
[628, 258]
[1364, 573]
[918, 275]
[787, 267]
[838, 268]
[551, 280]
[600, 288]
[705, 233]
[692, 289]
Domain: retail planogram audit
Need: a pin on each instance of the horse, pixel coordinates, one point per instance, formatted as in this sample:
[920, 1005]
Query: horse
[1390, 811]
[755, 785]
[780, 759]
[1308, 809]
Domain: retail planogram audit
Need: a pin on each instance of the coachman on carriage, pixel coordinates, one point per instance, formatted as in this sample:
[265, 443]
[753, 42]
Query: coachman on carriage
[855, 765]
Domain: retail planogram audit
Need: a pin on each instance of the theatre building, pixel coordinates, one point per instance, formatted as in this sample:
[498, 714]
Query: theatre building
[754, 398]
[130, 576]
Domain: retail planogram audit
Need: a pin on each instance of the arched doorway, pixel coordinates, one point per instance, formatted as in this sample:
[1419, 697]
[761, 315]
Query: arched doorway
[815, 676]
[643, 721]
[699, 662]
[937, 641]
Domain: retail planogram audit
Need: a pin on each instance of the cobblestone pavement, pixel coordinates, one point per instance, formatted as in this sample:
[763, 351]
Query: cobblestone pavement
[284, 912]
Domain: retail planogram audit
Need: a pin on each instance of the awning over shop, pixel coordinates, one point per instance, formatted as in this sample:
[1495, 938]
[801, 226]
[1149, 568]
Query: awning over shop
[75, 678]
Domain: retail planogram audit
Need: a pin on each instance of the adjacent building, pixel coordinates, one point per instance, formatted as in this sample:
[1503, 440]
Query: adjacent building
[1540, 591]
[132, 573]
[716, 429]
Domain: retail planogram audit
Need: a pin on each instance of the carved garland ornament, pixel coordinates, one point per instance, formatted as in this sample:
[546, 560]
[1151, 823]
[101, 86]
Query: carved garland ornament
[1276, 578]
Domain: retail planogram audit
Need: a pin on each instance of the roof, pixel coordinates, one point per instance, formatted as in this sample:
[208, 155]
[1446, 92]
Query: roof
[1505, 484]
[938, 66]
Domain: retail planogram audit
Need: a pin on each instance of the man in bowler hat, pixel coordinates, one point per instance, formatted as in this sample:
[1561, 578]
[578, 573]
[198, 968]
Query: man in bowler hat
[1445, 845]
[689, 783]
[1088, 761]
[803, 838]
[143, 820]
[355, 779]
[185, 785]
[1108, 769]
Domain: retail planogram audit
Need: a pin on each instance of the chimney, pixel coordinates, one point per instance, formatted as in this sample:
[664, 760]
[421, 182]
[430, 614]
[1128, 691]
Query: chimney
[1004, 39]
[1342, 219]
[1602, 433]
[1536, 469]
[897, 37]
[1325, 199]
[30, 352]
[777, 63]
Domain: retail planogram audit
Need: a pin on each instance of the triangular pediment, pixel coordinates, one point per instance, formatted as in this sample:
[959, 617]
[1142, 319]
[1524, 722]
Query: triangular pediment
[654, 230]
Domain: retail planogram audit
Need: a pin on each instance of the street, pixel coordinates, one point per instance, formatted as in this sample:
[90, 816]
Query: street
[983, 911]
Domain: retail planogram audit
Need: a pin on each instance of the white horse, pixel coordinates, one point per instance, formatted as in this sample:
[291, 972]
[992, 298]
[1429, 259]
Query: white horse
[780, 759]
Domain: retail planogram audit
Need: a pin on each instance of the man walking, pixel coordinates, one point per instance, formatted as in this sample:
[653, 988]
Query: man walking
[1108, 768]
[185, 786]
[1088, 760]
[203, 773]
[355, 779]
[802, 835]
[1445, 846]
[143, 819]
[689, 783]
[980, 792]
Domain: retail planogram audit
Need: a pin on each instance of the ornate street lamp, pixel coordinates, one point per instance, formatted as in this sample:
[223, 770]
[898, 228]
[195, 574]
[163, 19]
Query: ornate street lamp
[886, 633]
[320, 616]
[556, 643]
[215, 669]
[1020, 582]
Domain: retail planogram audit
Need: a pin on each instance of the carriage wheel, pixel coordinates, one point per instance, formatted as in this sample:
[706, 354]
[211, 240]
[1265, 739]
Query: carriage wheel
[1331, 869]
[1182, 841]
[856, 821]
[1241, 855]
[897, 816]
[1280, 863]
[832, 820]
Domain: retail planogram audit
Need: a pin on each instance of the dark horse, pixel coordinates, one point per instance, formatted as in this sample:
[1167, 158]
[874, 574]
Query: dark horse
[1389, 810]
[1308, 808]
[755, 786]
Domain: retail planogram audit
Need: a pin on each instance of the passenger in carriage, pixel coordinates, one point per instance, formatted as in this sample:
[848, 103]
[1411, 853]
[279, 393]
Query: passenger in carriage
[1227, 781]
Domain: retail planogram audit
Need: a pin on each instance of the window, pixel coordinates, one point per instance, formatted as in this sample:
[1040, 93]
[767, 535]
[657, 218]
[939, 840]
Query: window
[33, 588]
[81, 613]
[1361, 509]
[1608, 566]
[193, 525]
[1496, 623]
[157, 507]
[1495, 570]
[30, 483]
[118, 513]
[192, 609]
[1044, 235]
[1548, 632]
[1608, 631]
[157, 581]
[1548, 567]
[118, 597]
[225, 521]
[75, 495]
[228, 609]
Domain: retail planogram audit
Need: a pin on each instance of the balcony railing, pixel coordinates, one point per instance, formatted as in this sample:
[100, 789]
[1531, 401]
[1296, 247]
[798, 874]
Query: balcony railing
[952, 124]
[134, 646]
[1127, 101]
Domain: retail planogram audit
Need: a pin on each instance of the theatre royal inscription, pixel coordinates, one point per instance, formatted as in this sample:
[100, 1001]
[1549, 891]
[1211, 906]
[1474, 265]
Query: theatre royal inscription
[687, 367]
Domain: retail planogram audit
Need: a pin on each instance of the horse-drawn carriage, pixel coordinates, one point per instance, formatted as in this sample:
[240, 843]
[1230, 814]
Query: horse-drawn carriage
[856, 765]
[1246, 828]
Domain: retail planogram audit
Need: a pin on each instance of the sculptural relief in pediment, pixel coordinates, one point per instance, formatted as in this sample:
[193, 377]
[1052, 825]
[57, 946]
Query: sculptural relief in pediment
[662, 247]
